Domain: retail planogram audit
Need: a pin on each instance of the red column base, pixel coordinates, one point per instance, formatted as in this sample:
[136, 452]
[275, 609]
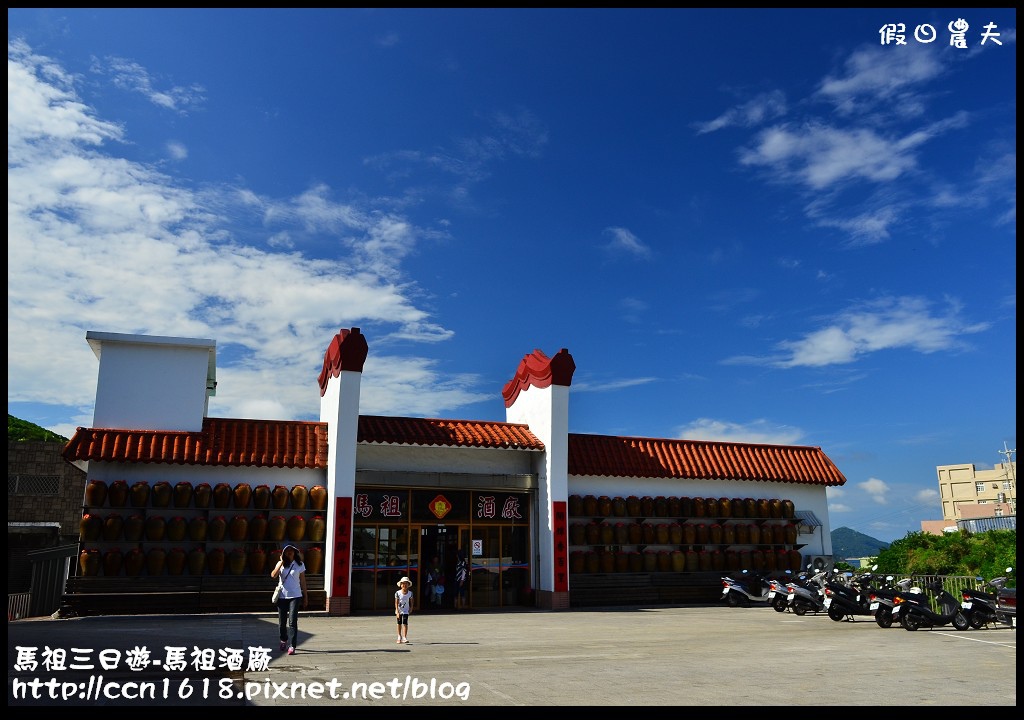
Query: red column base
[339, 606]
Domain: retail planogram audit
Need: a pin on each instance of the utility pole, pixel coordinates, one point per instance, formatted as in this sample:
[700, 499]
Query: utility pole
[1011, 473]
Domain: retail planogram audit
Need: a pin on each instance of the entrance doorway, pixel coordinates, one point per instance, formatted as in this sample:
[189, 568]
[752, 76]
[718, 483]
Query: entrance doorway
[439, 552]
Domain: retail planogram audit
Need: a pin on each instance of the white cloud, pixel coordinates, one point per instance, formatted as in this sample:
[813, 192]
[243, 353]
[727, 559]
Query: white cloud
[759, 431]
[884, 324]
[755, 111]
[97, 242]
[877, 489]
[622, 240]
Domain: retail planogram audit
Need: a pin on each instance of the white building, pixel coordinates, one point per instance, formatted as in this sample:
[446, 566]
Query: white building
[517, 497]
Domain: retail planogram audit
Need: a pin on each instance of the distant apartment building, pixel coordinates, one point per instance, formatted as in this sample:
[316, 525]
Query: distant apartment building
[969, 494]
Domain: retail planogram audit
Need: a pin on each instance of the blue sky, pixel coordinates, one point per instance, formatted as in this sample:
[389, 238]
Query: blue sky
[746, 225]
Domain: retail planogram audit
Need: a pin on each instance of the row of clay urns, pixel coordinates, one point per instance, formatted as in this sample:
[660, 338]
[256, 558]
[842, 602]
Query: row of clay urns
[662, 506]
[183, 494]
[154, 528]
[605, 533]
[196, 561]
[679, 561]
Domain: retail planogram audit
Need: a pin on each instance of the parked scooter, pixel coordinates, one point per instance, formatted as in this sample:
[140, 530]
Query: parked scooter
[843, 601]
[778, 594]
[807, 594]
[883, 599]
[914, 614]
[1006, 605]
[749, 587]
[980, 607]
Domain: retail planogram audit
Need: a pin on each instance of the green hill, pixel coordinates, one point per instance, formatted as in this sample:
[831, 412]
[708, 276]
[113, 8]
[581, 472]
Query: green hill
[847, 543]
[19, 430]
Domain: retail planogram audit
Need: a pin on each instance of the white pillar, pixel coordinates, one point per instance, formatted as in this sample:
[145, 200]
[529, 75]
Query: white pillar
[538, 396]
[339, 408]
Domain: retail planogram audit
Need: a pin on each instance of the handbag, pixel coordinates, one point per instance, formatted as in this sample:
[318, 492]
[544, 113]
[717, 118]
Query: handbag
[280, 586]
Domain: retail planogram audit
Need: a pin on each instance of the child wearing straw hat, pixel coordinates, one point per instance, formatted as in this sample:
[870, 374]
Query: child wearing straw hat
[403, 604]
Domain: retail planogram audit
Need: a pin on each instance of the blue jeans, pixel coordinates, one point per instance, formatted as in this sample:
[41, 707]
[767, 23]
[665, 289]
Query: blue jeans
[288, 620]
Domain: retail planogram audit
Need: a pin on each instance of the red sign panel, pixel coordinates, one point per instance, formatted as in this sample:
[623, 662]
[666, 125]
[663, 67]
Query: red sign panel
[561, 540]
[342, 547]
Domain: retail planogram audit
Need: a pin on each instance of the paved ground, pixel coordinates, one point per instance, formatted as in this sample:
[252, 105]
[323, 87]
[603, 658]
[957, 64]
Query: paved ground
[664, 656]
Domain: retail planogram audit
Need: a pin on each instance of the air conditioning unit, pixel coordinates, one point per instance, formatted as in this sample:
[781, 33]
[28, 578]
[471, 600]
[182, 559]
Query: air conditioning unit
[818, 562]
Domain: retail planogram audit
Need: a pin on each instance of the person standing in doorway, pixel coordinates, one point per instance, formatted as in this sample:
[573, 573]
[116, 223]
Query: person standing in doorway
[461, 576]
[293, 593]
[403, 606]
[435, 582]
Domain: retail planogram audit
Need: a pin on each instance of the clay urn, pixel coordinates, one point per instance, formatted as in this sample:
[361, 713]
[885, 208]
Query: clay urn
[276, 528]
[237, 561]
[134, 561]
[633, 508]
[95, 493]
[112, 560]
[222, 495]
[318, 497]
[604, 506]
[177, 529]
[196, 561]
[156, 560]
[161, 494]
[117, 493]
[217, 528]
[140, 494]
[279, 497]
[182, 494]
[156, 526]
[215, 560]
[242, 495]
[201, 495]
[273, 556]
[134, 526]
[314, 560]
[113, 525]
[258, 561]
[258, 528]
[590, 505]
[575, 505]
[89, 562]
[300, 497]
[316, 528]
[90, 527]
[238, 528]
[197, 529]
[296, 529]
[176, 558]
[261, 497]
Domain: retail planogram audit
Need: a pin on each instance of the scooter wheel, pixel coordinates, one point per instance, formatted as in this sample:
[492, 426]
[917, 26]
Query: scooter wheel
[960, 622]
[884, 618]
[909, 622]
[780, 604]
[733, 599]
[976, 621]
[836, 614]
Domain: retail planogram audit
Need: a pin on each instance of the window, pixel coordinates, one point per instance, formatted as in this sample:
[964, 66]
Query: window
[979, 487]
[1007, 485]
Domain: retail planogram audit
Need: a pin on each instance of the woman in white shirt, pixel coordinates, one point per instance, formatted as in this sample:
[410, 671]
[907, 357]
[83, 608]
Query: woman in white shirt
[292, 574]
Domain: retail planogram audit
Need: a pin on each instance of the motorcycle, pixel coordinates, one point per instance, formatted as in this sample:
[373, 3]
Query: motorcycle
[980, 607]
[750, 587]
[807, 594]
[882, 599]
[1006, 605]
[915, 612]
[843, 601]
[778, 594]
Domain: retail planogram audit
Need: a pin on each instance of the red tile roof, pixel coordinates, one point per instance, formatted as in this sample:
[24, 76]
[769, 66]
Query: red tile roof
[455, 433]
[303, 444]
[611, 456]
[249, 443]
